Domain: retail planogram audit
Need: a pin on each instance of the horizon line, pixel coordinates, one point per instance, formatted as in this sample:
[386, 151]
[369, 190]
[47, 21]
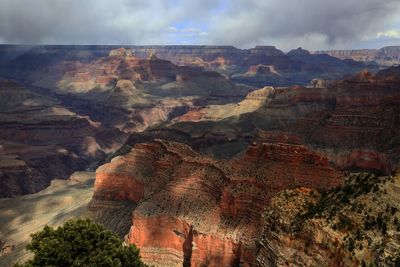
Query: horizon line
[193, 45]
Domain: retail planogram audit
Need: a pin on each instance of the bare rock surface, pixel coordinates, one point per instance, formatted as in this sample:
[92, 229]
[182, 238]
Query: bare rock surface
[192, 208]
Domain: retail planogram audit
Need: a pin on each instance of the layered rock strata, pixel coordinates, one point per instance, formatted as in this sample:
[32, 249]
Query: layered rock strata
[41, 140]
[194, 210]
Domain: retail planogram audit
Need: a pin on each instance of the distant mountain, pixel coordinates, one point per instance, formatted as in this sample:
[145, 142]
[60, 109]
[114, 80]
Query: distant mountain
[386, 56]
[259, 66]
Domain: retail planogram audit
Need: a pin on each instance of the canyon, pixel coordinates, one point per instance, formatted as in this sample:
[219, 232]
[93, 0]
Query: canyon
[193, 207]
[259, 66]
[205, 155]
[42, 140]
[54, 126]
[349, 119]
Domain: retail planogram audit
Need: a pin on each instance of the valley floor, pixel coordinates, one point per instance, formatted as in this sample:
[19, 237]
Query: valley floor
[21, 216]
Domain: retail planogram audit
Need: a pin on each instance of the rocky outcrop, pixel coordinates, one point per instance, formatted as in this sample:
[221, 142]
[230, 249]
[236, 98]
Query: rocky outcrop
[367, 160]
[284, 240]
[298, 52]
[5, 249]
[253, 101]
[350, 226]
[194, 210]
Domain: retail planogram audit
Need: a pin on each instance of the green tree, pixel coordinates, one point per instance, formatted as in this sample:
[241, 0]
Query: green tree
[80, 243]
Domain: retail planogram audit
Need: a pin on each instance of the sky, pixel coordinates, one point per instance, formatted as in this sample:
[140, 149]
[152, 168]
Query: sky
[286, 24]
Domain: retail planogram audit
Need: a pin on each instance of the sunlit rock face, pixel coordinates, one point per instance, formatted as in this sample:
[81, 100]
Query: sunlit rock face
[195, 210]
[131, 93]
[353, 122]
[253, 101]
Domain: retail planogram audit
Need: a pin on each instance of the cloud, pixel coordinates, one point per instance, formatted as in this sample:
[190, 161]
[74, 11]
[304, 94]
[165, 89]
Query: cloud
[339, 23]
[313, 24]
[186, 35]
[395, 34]
[91, 21]
[172, 29]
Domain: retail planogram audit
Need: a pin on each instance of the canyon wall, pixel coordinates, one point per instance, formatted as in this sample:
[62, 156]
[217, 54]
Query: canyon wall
[194, 210]
[41, 140]
[386, 56]
[259, 66]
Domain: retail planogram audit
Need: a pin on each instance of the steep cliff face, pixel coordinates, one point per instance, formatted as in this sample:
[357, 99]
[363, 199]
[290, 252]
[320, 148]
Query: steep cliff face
[196, 210]
[362, 122]
[41, 140]
[184, 55]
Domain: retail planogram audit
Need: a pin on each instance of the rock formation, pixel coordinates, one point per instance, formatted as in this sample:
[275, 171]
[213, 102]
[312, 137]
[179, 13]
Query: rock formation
[353, 122]
[386, 56]
[231, 62]
[41, 140]
[355, 225]
[253, 101]
[131, 93]
[195, 210]
[229, 178]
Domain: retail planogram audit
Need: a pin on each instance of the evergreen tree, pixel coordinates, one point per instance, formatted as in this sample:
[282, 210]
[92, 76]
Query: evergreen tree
[80, 243]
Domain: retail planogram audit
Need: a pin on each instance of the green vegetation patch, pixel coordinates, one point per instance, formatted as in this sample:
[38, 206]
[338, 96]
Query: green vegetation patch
[80, 243]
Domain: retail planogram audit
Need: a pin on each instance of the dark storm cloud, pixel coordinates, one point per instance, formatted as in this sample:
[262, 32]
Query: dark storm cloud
[314, 24]
[93, 21]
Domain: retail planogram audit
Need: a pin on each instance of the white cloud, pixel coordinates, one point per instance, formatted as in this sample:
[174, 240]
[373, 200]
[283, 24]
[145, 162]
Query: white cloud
[172, 29]
[395, 34]
[186, 35]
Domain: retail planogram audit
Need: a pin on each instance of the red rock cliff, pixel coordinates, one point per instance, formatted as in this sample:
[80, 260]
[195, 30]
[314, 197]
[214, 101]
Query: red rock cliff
[196, 211]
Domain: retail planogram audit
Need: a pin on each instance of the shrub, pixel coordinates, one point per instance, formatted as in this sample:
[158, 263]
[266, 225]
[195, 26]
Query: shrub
[80, 243]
